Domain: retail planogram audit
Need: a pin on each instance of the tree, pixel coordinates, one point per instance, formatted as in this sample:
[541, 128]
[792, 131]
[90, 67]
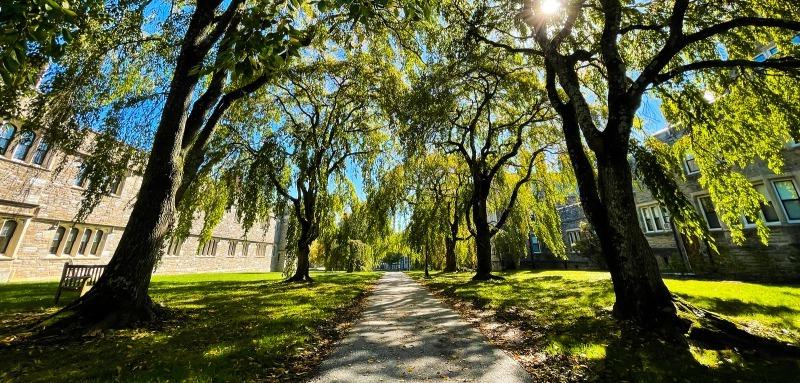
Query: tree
[599, 58]
[323, 118]
[227, 51]
[479, 105]
[441, 183]
[34, 32]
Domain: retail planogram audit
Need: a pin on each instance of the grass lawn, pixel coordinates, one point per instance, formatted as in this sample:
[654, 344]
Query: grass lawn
[229, 327]
[566, 319]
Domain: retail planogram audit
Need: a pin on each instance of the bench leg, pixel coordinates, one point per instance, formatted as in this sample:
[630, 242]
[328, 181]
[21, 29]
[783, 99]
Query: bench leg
[58, 294]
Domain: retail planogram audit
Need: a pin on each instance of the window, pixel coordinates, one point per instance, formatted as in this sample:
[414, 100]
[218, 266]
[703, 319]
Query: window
[6, 135]
[231, 248]
[709, 212]
[535, 247]
[80, 178]
[768, 212]
[261, 250]
[115, 184]
[245, 248]
[691, 165]
[790, 200]
[655, 219]
[174, 247]
[24, 145]
[98, 237]
[209, 249]
[71, 237]
[41, 153]
[57, 239]
[87, 235]
[573, 237]
[6, 233]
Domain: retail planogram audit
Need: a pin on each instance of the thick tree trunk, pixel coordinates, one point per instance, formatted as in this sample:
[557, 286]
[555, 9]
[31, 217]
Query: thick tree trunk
[301, 272]
[641, 294]
[609, 204]
[119, 298]
[450, 255]
[483, 239]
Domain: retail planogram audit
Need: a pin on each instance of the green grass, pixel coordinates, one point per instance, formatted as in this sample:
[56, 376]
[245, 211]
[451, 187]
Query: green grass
[230, 327]
[569, 315]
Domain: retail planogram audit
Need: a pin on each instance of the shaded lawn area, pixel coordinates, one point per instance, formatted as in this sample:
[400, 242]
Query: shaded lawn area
[228, 327]
[567, 325]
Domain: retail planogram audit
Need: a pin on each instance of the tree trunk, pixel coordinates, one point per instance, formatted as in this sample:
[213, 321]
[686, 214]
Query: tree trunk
[301, 272]
[427, 262]
[640, 292]
[450, 255]
[483, 236]
[119, 298]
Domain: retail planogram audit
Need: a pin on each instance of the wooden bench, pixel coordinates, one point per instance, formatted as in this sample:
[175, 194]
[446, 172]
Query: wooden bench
[78, 278]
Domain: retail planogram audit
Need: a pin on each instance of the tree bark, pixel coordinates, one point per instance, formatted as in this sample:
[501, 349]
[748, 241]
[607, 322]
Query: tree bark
[120, 297]
[301, 272]
[450, 255]
[641, 294]
[483, 233]
[427, 262]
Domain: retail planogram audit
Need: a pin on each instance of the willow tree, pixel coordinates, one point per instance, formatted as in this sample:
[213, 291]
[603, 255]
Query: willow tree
[36, 32]
[599, 58]
[480, 106]
[222, 53]
[322, 119]
[436, 191]
[535, 209]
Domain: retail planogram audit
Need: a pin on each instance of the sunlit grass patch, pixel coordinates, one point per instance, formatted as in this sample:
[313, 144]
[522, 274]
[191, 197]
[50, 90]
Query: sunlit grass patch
[231, 327]
[572, 312]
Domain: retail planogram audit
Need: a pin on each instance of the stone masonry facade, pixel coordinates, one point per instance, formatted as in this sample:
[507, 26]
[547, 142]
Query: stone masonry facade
[777, 261]
[40, 193]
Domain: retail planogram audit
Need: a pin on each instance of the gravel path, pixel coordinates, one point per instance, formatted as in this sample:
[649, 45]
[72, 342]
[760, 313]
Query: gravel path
[408, 335]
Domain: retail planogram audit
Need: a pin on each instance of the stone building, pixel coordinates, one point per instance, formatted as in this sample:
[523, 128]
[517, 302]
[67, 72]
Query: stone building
[41, 191]
[777, 261]
[573, 230]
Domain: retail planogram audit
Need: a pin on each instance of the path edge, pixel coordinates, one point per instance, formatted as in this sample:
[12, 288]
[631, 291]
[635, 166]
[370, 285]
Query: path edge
[337, 328]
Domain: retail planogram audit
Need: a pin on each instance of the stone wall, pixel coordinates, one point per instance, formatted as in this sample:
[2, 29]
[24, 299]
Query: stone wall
[42, 199]
[777, 261]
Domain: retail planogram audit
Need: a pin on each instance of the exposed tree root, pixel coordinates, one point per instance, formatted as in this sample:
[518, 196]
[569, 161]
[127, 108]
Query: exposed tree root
[487, 277]
[713, 330]
[90, 317]
[299, 278]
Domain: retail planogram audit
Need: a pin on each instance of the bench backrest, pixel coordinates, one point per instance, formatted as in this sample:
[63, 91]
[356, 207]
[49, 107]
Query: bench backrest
[71, 273]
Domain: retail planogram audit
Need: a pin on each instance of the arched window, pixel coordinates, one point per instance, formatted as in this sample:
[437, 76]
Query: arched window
[87, 235]
[6, 232]
[41, 153]
[24, 145]
[6, 135]
[71, 237]
[57, 239]
[98, 236]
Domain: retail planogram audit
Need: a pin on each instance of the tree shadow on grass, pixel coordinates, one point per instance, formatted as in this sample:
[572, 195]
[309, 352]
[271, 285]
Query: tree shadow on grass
[736, 307]
[222, 331]
[570, 321]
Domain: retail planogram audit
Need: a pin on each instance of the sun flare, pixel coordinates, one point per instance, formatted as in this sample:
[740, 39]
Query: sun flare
[550, 6]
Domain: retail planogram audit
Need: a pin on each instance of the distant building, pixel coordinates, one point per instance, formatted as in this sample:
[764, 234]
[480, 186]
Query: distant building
[780, 260]
[573, 226]
[38, 234]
